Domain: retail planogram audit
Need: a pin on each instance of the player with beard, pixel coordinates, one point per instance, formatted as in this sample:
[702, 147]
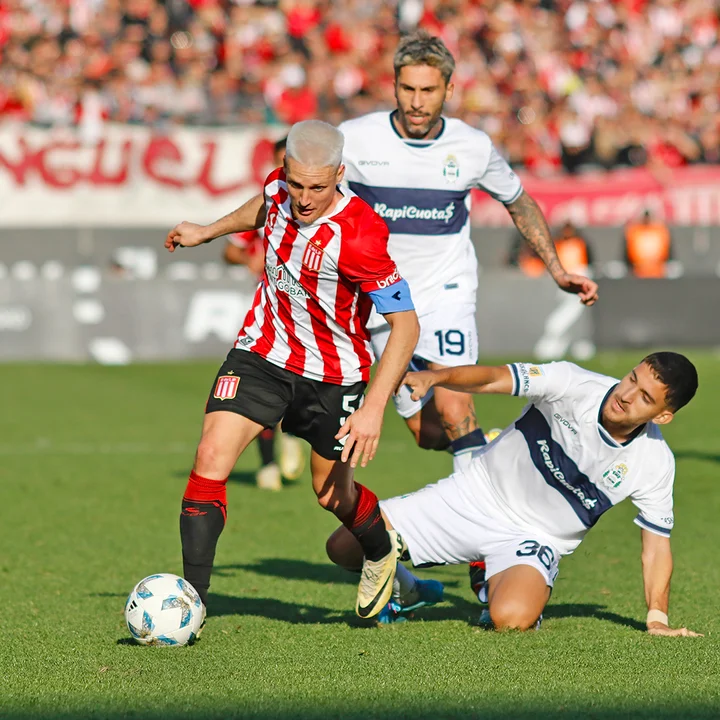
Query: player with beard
[416, 168]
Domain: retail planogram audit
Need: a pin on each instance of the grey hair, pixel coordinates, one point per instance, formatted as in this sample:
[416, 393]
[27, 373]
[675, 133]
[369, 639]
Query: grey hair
[421, 48]
[315, 143]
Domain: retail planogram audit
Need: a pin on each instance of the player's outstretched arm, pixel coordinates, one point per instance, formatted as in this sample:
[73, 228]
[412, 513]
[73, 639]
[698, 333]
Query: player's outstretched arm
[657, 567]
[531, 223]
[249, 216]
[465, 378]
[364, 425]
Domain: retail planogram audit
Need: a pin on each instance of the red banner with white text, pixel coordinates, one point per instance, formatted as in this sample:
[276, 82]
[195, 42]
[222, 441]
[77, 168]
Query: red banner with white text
[137, 177]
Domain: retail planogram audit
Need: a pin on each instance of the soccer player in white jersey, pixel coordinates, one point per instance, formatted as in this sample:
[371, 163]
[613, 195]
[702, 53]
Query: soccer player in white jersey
[417, 168]
[303, 354]
[583, 443]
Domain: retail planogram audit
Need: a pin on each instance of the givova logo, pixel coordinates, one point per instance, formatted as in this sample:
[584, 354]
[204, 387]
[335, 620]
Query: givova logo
[412, 212]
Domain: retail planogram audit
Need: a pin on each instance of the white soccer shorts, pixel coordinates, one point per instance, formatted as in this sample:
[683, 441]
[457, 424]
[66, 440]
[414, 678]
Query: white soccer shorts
[442, 524]
[448, 336]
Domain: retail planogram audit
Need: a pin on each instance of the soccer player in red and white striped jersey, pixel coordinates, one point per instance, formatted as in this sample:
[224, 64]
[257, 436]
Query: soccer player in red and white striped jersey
[303, 353]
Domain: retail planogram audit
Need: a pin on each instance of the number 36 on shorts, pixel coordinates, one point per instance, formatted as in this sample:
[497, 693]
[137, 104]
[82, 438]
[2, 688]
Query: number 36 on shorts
[544, 557]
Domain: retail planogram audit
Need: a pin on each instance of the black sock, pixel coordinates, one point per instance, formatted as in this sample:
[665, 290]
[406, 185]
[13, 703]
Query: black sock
[200, 528]
[474, 440]
[367, 525]
[266, 443]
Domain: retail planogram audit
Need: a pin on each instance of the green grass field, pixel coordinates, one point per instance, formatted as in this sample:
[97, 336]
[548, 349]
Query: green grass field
[94, 461]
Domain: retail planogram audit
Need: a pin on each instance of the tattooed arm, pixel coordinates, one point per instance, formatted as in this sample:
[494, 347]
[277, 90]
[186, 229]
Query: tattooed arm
[531, 223]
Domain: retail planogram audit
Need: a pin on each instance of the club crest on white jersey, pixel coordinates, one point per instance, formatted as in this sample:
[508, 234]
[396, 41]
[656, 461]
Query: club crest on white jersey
[422, 191]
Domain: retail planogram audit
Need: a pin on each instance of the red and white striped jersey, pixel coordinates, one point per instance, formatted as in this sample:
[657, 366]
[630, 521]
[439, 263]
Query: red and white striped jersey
[310, 310]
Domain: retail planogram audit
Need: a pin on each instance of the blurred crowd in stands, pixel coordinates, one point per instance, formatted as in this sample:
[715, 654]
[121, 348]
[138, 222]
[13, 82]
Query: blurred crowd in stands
[558, 84]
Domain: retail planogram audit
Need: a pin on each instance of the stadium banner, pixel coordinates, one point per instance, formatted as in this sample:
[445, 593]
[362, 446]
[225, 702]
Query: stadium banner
[132, 176]
[112, 320]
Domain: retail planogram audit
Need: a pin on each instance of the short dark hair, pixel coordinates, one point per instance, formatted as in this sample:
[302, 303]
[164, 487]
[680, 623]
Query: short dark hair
[677, 374]
[280, 145]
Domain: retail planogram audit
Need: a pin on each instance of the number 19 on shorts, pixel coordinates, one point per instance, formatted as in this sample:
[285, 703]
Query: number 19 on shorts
[450, 342]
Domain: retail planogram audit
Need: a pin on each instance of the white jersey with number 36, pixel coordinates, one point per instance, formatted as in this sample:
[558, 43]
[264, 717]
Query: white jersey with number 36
[422, 191]
[556, 470]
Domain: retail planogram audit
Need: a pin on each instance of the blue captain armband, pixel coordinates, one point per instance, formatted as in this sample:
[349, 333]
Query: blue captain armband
[393, 298]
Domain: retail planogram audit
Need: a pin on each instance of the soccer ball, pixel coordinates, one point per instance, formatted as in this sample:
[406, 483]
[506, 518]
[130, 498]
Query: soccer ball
[164, 609]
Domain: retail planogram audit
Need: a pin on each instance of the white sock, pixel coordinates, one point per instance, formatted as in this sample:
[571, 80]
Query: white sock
[405, 586]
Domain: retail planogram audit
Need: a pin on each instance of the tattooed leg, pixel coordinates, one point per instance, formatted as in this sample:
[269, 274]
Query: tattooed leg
[457, 415]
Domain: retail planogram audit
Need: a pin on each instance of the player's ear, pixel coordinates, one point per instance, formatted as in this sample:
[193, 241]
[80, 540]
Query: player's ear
[664, 417]
[449, 90]
[340, 173]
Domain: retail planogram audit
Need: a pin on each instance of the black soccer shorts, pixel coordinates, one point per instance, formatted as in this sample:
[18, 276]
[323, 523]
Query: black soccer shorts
[266, 394]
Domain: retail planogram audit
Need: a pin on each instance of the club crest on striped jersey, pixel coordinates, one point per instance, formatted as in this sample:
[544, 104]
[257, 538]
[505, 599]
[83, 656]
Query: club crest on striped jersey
[226, 387]
[271, 220]
[313, 255]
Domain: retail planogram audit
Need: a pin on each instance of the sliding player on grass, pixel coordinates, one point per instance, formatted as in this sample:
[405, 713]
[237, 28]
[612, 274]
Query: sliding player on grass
[584, 443]
[303, 354]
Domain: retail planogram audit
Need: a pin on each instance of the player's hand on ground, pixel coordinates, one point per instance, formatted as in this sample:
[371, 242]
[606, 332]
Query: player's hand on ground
[419, 383]
[585, 288]
[186, 234]
[362, 433]
[657, 628]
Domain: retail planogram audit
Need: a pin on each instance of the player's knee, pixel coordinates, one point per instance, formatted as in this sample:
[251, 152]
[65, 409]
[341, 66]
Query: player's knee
[209, 458]
[332, 503]
[512, 615]
[332, 548]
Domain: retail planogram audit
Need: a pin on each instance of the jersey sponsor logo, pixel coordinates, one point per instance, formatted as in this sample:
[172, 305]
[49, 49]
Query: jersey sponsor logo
[226, 387]
[374, 163]
[614, 475]
[559, 470]
[588, 503]
[312, 257]
[389, 280]
[417, 211]
[285, 282]
[565, 423]
[412, 212]
[451, 169]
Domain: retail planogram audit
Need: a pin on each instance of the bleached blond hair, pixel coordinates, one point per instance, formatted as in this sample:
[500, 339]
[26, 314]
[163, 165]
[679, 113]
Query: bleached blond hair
[315, 143]
[421, 48]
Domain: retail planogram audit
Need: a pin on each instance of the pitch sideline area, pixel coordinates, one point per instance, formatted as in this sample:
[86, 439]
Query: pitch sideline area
[94, 461]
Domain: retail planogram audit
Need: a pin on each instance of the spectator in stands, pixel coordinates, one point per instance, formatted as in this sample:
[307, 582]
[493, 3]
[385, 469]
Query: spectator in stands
[562, 84]
[648, 247]
[572, 249]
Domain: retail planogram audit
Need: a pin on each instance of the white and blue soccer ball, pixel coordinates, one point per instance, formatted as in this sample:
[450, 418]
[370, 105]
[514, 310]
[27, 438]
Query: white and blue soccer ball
[164, 610]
